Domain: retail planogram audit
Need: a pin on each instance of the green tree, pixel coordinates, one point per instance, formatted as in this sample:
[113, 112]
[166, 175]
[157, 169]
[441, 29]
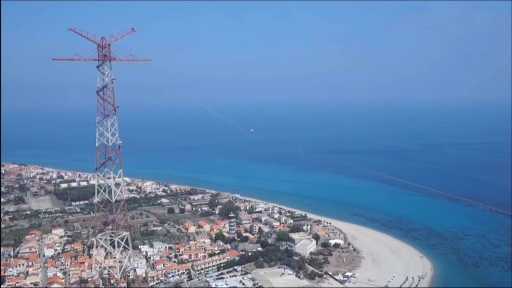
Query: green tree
[213, 203]
[264, 244]
[227, 208]
[296, 228]
[316, 237]
[220, 236]
[283, 235]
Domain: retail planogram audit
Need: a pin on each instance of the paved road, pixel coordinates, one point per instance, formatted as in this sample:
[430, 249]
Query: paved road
[41, 249]
[67, 277]
[44, 276]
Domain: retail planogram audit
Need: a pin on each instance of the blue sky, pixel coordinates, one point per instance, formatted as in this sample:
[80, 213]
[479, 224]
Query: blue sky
[441, 54]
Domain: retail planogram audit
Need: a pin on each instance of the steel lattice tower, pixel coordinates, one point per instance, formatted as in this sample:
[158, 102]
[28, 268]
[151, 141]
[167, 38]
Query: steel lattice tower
[111, 220]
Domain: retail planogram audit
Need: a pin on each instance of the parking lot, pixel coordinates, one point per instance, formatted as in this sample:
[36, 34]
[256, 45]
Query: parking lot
[233, 280]
[277, 277]
[232, 277]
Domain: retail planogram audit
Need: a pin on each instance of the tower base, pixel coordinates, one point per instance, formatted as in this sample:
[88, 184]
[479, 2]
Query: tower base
[112, 257]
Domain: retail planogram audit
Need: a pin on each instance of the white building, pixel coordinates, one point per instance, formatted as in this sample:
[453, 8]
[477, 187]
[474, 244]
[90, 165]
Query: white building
[245, 219]
[271, 222]
[49, 252]
[160, 246]
[298, 237]
[58, 231]
[255, 228]
[305, 247]
[146, 249]
[261, 218]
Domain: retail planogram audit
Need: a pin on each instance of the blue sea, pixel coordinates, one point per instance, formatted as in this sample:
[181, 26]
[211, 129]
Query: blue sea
[301, 156]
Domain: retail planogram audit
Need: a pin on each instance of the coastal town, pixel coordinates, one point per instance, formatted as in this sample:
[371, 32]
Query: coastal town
[181, 237]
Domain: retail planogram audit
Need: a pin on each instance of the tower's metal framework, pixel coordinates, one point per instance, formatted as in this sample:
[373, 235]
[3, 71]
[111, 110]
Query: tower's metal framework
[111, 240]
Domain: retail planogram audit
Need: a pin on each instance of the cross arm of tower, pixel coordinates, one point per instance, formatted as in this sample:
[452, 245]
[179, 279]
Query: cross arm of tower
[129, 58]
[96, 39]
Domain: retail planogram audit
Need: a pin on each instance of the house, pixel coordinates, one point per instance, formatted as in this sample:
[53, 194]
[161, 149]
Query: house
[36, 191]
[255, 226]
[55, 281]
[189, 227]
[177, 270]
[30, 258]
[211, 263]
[246, 247]
[151, 277]
[261, 218]
[160, 246]
[58, 231]
[322, 234]
[245, 219]
[77, 246]
[204, 225]
[193, 255]
[288, 221]
[14, 281]
[32, 280]
[214, 228]
[271, 222]
[36, 233]
[28, 249]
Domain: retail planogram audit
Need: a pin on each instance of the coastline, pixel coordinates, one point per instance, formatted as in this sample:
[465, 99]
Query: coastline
[383, 255]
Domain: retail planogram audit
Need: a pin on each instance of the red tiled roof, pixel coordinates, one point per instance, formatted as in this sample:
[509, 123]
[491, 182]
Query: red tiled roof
[232, 253]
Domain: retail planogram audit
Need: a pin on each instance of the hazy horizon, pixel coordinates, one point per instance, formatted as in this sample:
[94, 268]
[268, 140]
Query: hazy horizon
[442, 55]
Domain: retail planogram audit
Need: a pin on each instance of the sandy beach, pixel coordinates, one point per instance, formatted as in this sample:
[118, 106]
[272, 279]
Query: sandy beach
[383, 256]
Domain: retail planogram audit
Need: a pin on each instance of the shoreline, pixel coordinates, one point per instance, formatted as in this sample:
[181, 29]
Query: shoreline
[383, 255]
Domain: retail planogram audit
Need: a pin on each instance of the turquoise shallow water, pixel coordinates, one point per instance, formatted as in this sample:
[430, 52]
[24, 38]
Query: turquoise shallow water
[468, 246]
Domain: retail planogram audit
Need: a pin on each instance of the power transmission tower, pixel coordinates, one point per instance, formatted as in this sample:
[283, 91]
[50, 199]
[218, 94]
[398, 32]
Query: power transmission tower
[111, 234]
